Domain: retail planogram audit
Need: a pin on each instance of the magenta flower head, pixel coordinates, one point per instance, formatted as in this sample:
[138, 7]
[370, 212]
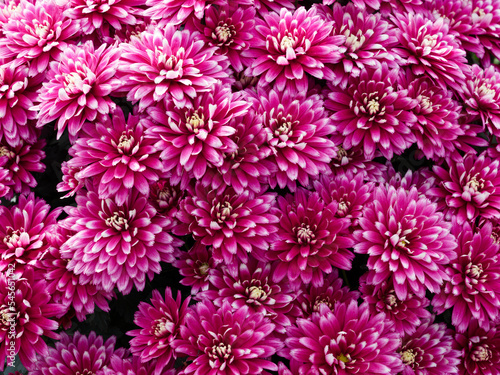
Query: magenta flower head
[70, 180]
[310, 240]
[78, 354]
[23, 229]
[429, 48]
[406, 314]
[226, 340]
[37, 33]
[96, 14]
[234, 224]
[482, 97]
[437, 126]
[159, 322]
[117, 155]
[430, 350]
[168, 64]
[230, 29]
[289, 45]
[298, 130]
[347, 340]
[253, 286]
[473, 290]
[176, 12]
[17, 97]
[330, 294]
[116, 245]
[373, 113]
[481, 350]
[196, 137]
[363, 46]
[30, 312]
[469, 188]
[485, 18]
[407, 240]
[78, 87]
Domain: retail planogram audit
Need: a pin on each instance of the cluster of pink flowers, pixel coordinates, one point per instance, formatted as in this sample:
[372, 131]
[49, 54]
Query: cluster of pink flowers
[322, 177]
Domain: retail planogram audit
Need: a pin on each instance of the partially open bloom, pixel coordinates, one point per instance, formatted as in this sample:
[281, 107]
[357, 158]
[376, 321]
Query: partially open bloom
[17, 97]
[310, 239]
[347, 340]
[298, 130]
[157, 65]
[77, 354]
[37, 33]
[117, 154]
[117, 245]
[30, 312]
[407, 239]
[373, 113]
[253, 286]
[289, 45]
[473, 290]
[175, 12]
[194, 138]
[78, 87]
[70, 180]
[226, 341]
[428, 48]
[234, 224]
[159, 322]
[23, 230]
[469, 188]
[430, 350]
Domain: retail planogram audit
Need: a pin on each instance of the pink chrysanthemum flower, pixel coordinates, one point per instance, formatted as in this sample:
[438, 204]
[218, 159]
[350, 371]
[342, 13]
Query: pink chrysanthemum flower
[473, 289]
[131, 366]
[23, 230]
[428, 48]
[288, 45]
[194, 138]
[226, 341]
[169, 64]
[21, 161]
[330, 294]
[30, 312]
[481, 350]
[298, 129]
[17, 97]
[78, 87]
[117, 245]
[430, 350]
[37, 33]
[197, 267]
[95, 14]
[252, 286]
[117, 155]
[364, 47]
[387, 7]
[373, 113]
[77, 354]
[485, 21]
[230, 29]
[159, 322]
[176, 12]
[407, 240]
[70, 180]
[422, 179]
[482, 97]
[165, 196]
[234, 224]
[248, 167]
[265, 6]
[469, 188]
[310, 239]
[406, 315]
[347, 340]
[64, 286]
[437, 126]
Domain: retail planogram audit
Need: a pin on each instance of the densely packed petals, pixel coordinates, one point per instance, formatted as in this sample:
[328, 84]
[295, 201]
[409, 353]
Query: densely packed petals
[175, 12]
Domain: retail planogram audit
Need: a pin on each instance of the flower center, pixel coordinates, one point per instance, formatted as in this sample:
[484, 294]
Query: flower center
[479, 12]
[117, 221]
[429, 42]
[343, 358]
[425, 103]
[85, 372]
[373, 106]
[42, 29]
[343, 208]
[474, 184]
[203, 268]
[224, 34]
[163, 327]
[72, 82]
[408, 357]
[7, 315]
[223, 211]
[220, 351]
[4, 151]
[169, 66]
[305, 234]
[481, 353]
[391, 301]
[284, 128]
[255, 292]
[354, 41]
[13, 237]
[288, 41]
[484, 89]
[125, 143]
[195, 121]
[322, 300]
